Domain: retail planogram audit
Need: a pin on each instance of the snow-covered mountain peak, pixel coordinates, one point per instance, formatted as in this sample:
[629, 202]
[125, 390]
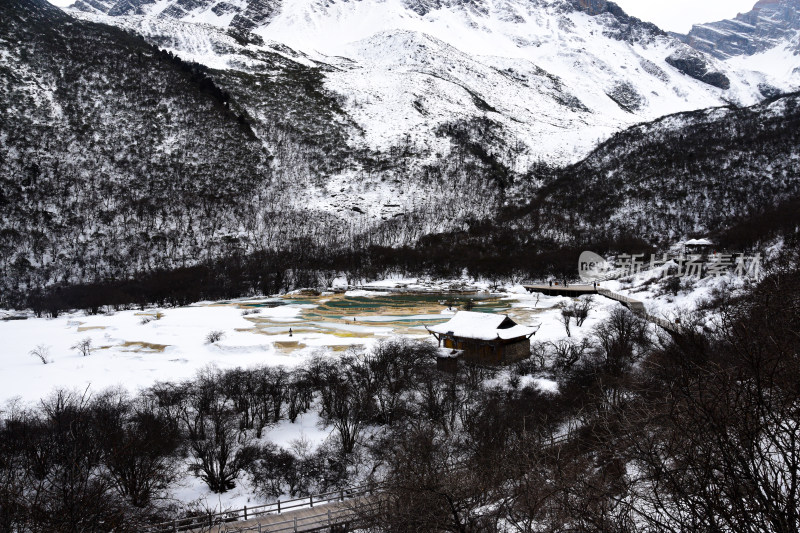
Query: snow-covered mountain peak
[770, 24]
[556, 75]
[766, 40]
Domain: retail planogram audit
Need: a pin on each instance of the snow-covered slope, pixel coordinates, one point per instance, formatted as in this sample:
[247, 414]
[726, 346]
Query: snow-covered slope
[355, 124]
[770, 24]
[764, 42]
[557, 75]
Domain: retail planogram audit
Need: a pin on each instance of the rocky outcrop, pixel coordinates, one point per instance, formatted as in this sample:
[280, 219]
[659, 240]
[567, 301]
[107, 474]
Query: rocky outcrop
[768, 24]
[620, 26]
[696, 66]
[593, 7]
[625, 95]
[257, 13]
[90, 6]
[129, 7]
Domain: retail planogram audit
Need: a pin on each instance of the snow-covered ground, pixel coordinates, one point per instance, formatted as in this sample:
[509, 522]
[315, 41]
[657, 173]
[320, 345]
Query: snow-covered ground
[135, 349]
[303, 436]
[659, 302]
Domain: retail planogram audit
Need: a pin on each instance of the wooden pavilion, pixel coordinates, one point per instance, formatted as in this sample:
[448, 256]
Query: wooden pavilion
[485, 338]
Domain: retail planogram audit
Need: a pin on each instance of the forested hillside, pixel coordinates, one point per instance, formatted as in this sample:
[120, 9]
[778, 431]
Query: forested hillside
[730, 173]
[684, 174]
[120, 159]
[126, 167]
[116, 157]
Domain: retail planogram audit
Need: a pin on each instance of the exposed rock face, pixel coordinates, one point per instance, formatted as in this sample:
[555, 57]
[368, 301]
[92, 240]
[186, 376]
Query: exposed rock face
[257, 13]
[695, 65]
[770, 23]
[254, 13]
[102, 6]
[622, 26]
[625, 95]
[114, 8]
[593, 7]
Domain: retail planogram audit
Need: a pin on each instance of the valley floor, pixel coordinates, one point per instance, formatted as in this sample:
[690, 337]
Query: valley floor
[134, 349]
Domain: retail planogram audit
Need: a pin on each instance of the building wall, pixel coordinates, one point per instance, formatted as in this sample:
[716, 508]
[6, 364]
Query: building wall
[476, 351]
[447, 364]
[519, 351]
[493, 353]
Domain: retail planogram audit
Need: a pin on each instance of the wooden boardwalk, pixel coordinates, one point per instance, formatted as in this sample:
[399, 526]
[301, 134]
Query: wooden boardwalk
[324, 517]
[311, 513]
[353, 508]
[636, 306]
[562, 290]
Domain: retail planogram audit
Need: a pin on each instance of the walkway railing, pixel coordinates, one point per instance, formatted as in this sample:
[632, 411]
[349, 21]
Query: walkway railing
[618, 297]
[322, 521]
[226, 520]
[249, 513]
[638, 307]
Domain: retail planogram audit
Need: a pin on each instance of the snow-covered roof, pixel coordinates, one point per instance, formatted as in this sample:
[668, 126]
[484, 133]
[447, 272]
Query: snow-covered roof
[698, 242]
[482, 326]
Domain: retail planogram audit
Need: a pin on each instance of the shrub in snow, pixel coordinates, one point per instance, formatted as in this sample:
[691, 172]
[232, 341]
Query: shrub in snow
[146, 319]
[42, 353]
[566, 317]
[214, 337]
[671, 285]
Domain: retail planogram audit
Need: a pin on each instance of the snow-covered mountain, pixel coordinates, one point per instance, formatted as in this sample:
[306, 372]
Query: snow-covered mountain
[770, 24]
[559, 76]
[338, 127]
[766, 39]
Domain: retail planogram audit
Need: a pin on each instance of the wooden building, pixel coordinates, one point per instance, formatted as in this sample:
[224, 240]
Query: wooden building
[484, 338]
[698, 247]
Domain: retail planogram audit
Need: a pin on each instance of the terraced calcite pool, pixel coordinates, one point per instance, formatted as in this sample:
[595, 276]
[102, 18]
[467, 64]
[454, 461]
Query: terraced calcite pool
[364, 316]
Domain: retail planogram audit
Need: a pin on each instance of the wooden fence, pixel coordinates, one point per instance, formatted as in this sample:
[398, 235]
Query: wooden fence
[323, 521]
[249, 513]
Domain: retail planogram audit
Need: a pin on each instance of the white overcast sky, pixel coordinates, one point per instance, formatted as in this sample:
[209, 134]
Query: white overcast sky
[671, 15]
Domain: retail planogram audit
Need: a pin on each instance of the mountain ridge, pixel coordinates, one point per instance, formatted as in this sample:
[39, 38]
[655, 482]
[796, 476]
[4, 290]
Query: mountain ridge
[769, 24]
[262, 147]
[615, 70]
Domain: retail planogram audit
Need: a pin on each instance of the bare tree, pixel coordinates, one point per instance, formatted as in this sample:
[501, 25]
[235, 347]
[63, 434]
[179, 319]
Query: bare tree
[582, 308]
[326, 278]
[84, 347]
[396, 364]
[424, 488]
[42, 353]
[622, 339]
[219, 450]
[566, 353]
[566, 319]
[139, 447]
[347, 399]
